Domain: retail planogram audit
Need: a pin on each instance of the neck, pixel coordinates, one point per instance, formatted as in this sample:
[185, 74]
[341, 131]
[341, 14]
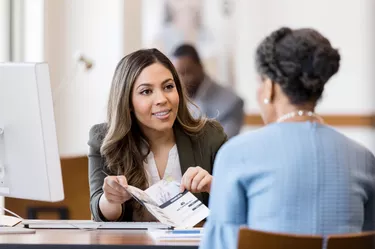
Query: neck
[158, 139]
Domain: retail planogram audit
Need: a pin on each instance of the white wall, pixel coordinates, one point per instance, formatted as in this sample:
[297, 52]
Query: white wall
[4, 30]
[33, 28]
[350, 26]
[99, 29]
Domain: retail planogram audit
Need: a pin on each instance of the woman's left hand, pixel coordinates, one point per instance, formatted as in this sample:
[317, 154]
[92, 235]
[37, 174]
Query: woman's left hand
[196, 180]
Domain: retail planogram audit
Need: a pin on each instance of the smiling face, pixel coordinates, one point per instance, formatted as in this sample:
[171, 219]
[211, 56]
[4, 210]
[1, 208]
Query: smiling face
[155, 99]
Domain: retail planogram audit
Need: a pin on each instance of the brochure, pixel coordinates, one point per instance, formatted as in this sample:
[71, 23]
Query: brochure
[171, 207]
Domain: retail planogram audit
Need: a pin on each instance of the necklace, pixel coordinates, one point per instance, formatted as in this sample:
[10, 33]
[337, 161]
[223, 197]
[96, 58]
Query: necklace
[299, 113]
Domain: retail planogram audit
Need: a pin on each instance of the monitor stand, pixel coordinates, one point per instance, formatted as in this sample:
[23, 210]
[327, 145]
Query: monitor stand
[11, 225]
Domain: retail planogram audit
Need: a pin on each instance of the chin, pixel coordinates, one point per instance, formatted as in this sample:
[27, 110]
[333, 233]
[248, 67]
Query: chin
[163, 126]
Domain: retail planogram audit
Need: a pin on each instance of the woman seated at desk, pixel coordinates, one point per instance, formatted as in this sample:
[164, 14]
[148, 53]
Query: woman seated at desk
[296, 174]
[149, 135]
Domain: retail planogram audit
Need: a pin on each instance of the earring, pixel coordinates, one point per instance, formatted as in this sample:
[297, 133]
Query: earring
[266, 101]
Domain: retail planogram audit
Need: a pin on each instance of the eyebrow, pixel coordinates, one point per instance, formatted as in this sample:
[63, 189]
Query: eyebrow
[148, 84]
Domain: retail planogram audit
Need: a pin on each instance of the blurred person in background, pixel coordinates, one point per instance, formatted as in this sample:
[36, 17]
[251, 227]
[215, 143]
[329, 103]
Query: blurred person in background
[214, 100]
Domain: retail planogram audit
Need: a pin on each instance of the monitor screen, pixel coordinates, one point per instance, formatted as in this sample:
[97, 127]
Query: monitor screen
[29, 158]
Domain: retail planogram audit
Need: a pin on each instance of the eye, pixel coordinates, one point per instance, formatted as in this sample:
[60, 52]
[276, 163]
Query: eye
[146, 92]
[169, 87]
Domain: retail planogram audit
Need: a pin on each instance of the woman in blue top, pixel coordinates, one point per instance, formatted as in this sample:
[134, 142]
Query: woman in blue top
[296, 174]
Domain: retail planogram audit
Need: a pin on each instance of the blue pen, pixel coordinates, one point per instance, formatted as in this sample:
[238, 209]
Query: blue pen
[185, 231]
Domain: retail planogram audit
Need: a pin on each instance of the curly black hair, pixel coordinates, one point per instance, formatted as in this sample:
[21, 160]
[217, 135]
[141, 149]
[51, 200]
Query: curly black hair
[301, 61]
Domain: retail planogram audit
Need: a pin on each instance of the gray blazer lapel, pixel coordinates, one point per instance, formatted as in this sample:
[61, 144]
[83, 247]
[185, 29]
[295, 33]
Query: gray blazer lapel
[185, 149]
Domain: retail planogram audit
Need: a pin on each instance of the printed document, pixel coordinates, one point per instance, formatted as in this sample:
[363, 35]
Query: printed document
[171, 207]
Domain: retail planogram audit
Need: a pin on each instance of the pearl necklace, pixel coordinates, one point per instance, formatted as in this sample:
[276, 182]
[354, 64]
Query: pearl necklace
[299, 113]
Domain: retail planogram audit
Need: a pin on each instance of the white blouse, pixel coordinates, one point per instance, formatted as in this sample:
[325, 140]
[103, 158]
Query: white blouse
[173, 169]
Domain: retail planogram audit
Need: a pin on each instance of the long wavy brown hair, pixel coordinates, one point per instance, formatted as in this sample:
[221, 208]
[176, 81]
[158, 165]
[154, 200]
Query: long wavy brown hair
[124, 145]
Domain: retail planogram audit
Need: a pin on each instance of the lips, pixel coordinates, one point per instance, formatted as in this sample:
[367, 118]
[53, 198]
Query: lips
[161, 113]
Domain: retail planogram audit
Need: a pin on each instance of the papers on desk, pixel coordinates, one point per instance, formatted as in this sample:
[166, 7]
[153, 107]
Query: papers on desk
[164, 201]
[9, 221]
[194, 234]
[89, 224]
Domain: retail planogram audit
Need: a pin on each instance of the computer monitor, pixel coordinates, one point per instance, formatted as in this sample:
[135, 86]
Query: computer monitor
[29, 158]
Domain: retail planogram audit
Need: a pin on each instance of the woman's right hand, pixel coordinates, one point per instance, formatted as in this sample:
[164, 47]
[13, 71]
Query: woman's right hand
[114, 189]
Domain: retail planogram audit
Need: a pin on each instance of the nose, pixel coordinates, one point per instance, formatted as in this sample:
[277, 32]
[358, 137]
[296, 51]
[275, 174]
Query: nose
[160, 98]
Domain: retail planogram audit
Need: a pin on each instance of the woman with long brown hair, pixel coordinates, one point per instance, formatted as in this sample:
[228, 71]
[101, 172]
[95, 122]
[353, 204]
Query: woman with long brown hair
[149, 135]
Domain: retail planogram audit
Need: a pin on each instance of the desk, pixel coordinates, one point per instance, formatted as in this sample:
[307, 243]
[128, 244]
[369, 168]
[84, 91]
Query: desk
[84, 239]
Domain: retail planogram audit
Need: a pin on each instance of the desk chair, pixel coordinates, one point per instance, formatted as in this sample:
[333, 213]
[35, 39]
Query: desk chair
[35, 212]
[364, 240]
[251, 239]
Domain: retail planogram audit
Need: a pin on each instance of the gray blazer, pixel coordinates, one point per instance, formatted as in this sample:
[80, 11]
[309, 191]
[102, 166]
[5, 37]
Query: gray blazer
[192, 150]
[221, 103]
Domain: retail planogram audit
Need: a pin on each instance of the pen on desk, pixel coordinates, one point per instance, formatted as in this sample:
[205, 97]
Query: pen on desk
[186, 231]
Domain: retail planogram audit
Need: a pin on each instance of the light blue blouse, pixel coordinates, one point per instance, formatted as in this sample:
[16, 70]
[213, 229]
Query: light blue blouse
[302, 177]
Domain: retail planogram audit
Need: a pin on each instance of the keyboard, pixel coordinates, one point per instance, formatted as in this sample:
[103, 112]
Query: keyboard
[89, 224]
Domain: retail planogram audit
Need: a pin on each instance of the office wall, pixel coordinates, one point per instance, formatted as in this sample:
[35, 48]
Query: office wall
[32, 28]
[101, 30]
[4, 30]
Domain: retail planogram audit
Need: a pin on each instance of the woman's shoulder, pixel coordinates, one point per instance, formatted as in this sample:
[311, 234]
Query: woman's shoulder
[212, 134]
[97, 134]
[213, 128]
[254, 139]
[337, 137]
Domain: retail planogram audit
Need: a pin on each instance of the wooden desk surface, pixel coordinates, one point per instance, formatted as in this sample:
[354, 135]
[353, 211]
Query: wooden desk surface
[82, 239]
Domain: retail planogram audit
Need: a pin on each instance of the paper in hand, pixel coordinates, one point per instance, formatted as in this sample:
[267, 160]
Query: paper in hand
[165, 201]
